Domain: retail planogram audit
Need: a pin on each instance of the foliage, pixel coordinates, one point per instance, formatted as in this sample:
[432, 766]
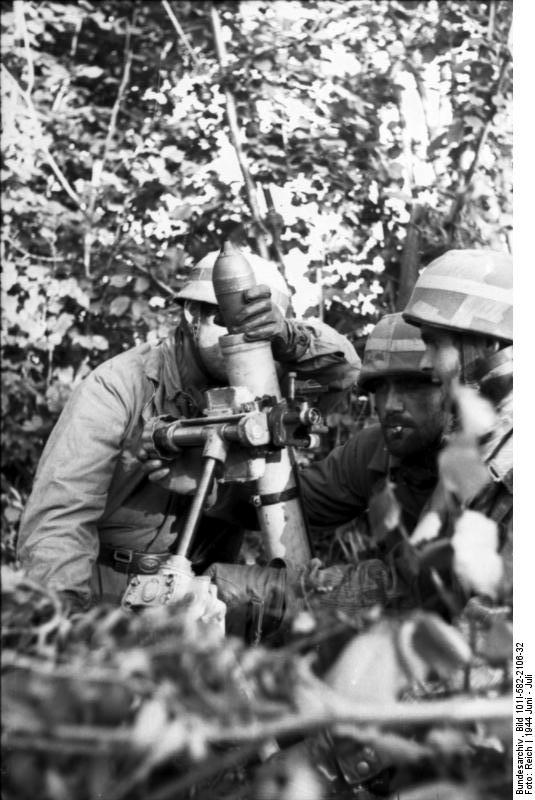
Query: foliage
[148, 705]
[106, 704]
[118, 172]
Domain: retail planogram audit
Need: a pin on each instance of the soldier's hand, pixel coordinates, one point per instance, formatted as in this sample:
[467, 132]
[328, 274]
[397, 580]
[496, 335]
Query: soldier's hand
[154, 468]
[180, 475]
[260, 318]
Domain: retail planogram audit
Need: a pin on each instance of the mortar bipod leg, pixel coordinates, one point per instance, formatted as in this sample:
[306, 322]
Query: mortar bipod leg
[215, 450]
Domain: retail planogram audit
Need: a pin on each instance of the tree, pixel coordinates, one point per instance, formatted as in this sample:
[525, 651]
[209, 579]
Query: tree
[378, 131]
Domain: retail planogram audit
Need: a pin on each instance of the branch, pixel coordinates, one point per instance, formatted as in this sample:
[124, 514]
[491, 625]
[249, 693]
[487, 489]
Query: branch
[160, 284]
[18, 8]
[460, 200]
[180, 32]
[335, 709]
[410, 261]
[128, 55]
[43, 146]
[460, 711]
[98, 166]
[207, 769]
[234, 131]
[27, 254]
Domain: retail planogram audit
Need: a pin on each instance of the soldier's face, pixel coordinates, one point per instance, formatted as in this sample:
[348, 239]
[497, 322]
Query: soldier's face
[205, 333]
[412, 413]
[451, 355]
[442, 355]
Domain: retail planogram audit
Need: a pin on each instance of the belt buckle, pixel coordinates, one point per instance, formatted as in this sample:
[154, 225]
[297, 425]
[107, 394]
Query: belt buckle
[123, 556]
[148, 564]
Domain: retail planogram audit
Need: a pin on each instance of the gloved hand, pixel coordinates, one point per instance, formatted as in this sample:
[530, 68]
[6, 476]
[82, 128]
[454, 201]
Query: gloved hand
[257, 598]
[264, 600]
[349, 588]
[261, 318]
[180, 475]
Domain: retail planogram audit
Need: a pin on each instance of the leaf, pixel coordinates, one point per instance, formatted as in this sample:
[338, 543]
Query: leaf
[397, 750]
[440, 645]
[89, 72]
[446, 362]
[91, 342]
[120, 281]
[369, 667]
[447, 741]
[141, 284]
[119, 305]
[288, 777]
[476, 561]
[12, 514]
[476, 413]
[461, 469]
[304, 622]
[172, 153]
[138, 309]
[151, 721]
[427, 528]
[497, 642]
[33, 424]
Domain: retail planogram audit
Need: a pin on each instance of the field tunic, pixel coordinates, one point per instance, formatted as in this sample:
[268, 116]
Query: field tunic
[90, 488]
[338, 489]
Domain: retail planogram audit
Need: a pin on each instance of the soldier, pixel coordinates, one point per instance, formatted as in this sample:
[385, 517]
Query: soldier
[93, 517]
[400, 452]
[462, 304]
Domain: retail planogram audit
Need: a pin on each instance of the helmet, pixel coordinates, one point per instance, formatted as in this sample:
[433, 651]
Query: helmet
[393, 348]
[199, 285]
[469, 291]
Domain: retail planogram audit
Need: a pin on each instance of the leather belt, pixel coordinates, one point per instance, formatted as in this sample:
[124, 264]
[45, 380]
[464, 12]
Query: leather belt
[131, 562]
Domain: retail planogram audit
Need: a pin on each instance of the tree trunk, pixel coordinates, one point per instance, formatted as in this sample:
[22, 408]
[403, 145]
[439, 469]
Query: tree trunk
[410, 259]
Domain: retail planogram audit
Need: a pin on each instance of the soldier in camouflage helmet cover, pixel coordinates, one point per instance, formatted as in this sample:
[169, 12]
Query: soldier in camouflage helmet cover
[463, 306]
[465, 299]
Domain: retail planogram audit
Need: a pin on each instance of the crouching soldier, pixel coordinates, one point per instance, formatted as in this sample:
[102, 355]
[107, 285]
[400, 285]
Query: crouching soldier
[462, 305]
[94, 519]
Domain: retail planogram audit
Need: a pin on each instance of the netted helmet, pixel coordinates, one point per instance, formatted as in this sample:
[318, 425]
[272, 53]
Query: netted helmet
[465, 291]
[199, 285]
[393, 349]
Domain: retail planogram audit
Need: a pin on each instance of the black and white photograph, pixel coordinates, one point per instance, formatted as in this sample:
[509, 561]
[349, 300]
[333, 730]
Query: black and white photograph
[257, 401]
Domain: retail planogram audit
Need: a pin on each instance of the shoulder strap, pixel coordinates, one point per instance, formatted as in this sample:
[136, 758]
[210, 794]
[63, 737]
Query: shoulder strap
[500, 463]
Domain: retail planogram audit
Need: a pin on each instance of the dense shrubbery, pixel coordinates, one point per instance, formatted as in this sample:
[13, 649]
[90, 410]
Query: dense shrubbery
[380, 129]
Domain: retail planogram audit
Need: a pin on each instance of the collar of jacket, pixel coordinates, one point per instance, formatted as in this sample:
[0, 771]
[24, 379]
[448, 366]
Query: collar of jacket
[174, 369]
[384, 463]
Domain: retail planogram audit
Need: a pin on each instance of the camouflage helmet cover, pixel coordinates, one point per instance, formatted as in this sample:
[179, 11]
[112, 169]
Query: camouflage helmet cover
[199, 285]
[393, 348]
[466, 291]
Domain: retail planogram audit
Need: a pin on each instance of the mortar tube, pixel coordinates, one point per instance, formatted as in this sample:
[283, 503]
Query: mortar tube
[282, 522]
